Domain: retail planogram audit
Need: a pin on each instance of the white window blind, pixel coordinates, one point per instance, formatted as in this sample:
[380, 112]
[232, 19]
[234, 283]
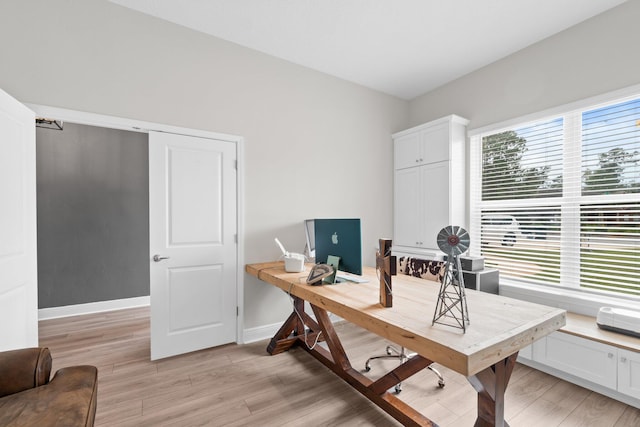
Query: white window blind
[557, 202]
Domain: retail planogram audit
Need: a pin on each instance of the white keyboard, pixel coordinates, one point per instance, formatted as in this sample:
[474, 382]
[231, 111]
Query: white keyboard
[351, 278]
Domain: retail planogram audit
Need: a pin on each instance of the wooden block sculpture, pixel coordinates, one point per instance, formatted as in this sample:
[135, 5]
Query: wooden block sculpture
[451, 307]
[386, 265]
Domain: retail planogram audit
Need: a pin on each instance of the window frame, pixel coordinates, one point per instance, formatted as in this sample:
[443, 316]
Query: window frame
[568, 294]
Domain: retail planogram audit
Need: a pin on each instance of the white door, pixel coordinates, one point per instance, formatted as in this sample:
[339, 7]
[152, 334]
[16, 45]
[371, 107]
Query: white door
[192, 221]
[18, 257]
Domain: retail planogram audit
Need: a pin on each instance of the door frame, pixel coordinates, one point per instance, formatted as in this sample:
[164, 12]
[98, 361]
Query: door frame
[100, 120]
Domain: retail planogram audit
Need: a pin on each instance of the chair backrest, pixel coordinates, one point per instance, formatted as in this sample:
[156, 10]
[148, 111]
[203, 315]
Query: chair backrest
[24, 369]
[423, 268]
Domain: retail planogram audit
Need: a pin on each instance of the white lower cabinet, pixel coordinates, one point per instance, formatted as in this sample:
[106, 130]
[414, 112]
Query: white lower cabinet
[526, 353]
[590, 363]
[629, 373]
[586, 359]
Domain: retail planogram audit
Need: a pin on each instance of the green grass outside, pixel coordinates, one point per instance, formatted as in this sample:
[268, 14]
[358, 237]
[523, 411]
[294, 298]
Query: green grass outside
[598, 267]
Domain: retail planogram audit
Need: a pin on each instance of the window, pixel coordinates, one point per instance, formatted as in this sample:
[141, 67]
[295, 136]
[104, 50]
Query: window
[557, 201]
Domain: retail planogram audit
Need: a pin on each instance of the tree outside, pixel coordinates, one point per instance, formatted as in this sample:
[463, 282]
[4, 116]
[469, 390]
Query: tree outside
[516, 167]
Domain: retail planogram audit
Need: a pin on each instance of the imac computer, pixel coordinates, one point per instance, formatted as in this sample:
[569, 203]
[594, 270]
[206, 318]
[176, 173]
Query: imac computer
[309, 231]
[341, 238]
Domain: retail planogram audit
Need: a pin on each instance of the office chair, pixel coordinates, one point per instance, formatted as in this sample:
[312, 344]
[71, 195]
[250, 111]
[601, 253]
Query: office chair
[425, 269]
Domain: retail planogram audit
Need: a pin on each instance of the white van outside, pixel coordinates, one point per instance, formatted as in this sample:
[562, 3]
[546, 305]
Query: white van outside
[500, 229]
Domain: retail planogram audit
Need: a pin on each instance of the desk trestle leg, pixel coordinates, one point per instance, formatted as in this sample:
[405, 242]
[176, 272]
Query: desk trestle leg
[491, 384]
[336, 359]
[292, 332]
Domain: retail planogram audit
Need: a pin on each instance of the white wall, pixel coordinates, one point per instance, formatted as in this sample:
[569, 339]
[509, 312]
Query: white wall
[306, 133]
[591, 58]
[594, 57]
[315, 146]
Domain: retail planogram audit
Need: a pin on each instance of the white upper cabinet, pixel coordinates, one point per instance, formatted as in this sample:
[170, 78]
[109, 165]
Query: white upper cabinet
[429, 183]
[428, 144]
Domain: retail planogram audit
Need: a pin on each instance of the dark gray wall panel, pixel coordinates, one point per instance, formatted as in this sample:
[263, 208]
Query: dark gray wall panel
[93, 215]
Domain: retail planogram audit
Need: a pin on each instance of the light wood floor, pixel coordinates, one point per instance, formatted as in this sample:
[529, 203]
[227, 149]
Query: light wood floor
[241, 385]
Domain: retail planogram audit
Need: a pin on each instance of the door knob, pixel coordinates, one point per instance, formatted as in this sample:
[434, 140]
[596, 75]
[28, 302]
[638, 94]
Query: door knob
[158, 258]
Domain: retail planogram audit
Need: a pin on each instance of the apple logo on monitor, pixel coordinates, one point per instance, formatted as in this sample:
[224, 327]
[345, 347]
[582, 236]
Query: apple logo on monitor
[334, 238]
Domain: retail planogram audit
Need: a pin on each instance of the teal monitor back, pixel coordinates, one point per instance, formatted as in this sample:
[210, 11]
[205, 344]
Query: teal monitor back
[340, 237]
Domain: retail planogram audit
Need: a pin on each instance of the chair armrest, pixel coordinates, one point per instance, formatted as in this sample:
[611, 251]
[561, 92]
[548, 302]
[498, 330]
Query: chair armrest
[24, 369]
[68, 400]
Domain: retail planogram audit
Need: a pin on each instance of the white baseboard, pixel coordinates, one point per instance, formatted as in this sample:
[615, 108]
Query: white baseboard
[92, 307]
[260, 333]
[265, 332]
[250, 335]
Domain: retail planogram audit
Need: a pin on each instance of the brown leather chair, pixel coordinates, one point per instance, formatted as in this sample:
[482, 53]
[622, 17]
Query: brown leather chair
[28, 398]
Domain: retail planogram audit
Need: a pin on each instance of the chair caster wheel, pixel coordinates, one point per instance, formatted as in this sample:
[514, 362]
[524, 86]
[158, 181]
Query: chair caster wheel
[441, 384]
[367, 368]
[398, 389]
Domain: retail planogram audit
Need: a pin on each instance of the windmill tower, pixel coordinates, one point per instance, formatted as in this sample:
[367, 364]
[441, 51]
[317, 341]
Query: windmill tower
[451, 307]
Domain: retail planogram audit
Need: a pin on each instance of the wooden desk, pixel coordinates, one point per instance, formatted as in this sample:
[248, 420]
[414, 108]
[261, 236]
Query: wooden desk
[485, 354]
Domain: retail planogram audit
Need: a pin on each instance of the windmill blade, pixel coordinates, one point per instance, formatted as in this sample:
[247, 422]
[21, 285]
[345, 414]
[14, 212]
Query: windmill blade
[453, 240]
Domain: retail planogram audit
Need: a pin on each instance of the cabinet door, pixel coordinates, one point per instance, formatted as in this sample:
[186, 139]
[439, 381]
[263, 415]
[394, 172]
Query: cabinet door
[407, 209]
[629, 373]
[586, 359]
[436, 143]
[435, 192]
[407, 150]
[424, 146]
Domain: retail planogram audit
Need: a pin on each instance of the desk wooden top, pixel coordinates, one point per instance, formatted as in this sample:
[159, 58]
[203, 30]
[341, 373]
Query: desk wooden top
[499, 326]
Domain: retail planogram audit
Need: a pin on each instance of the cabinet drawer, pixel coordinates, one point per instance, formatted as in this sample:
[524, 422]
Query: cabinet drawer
[586, 359]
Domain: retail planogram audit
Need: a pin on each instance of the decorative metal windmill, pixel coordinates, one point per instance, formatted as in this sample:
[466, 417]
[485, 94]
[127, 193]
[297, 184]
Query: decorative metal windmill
[452, 301]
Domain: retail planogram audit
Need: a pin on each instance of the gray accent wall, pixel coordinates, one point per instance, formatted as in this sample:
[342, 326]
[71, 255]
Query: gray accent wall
[93, 215]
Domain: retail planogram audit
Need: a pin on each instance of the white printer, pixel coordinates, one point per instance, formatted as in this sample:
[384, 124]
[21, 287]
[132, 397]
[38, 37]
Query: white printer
[619, 320]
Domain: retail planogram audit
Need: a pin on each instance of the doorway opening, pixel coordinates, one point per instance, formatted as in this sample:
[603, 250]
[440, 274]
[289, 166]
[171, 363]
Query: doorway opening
[104, 214]
[93, 215]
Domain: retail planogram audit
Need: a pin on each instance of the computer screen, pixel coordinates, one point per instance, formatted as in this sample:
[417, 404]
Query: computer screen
[309, 231]
[339, 237]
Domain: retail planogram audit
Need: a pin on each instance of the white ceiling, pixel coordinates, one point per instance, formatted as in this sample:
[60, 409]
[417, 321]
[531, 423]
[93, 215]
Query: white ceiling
[400, 47]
